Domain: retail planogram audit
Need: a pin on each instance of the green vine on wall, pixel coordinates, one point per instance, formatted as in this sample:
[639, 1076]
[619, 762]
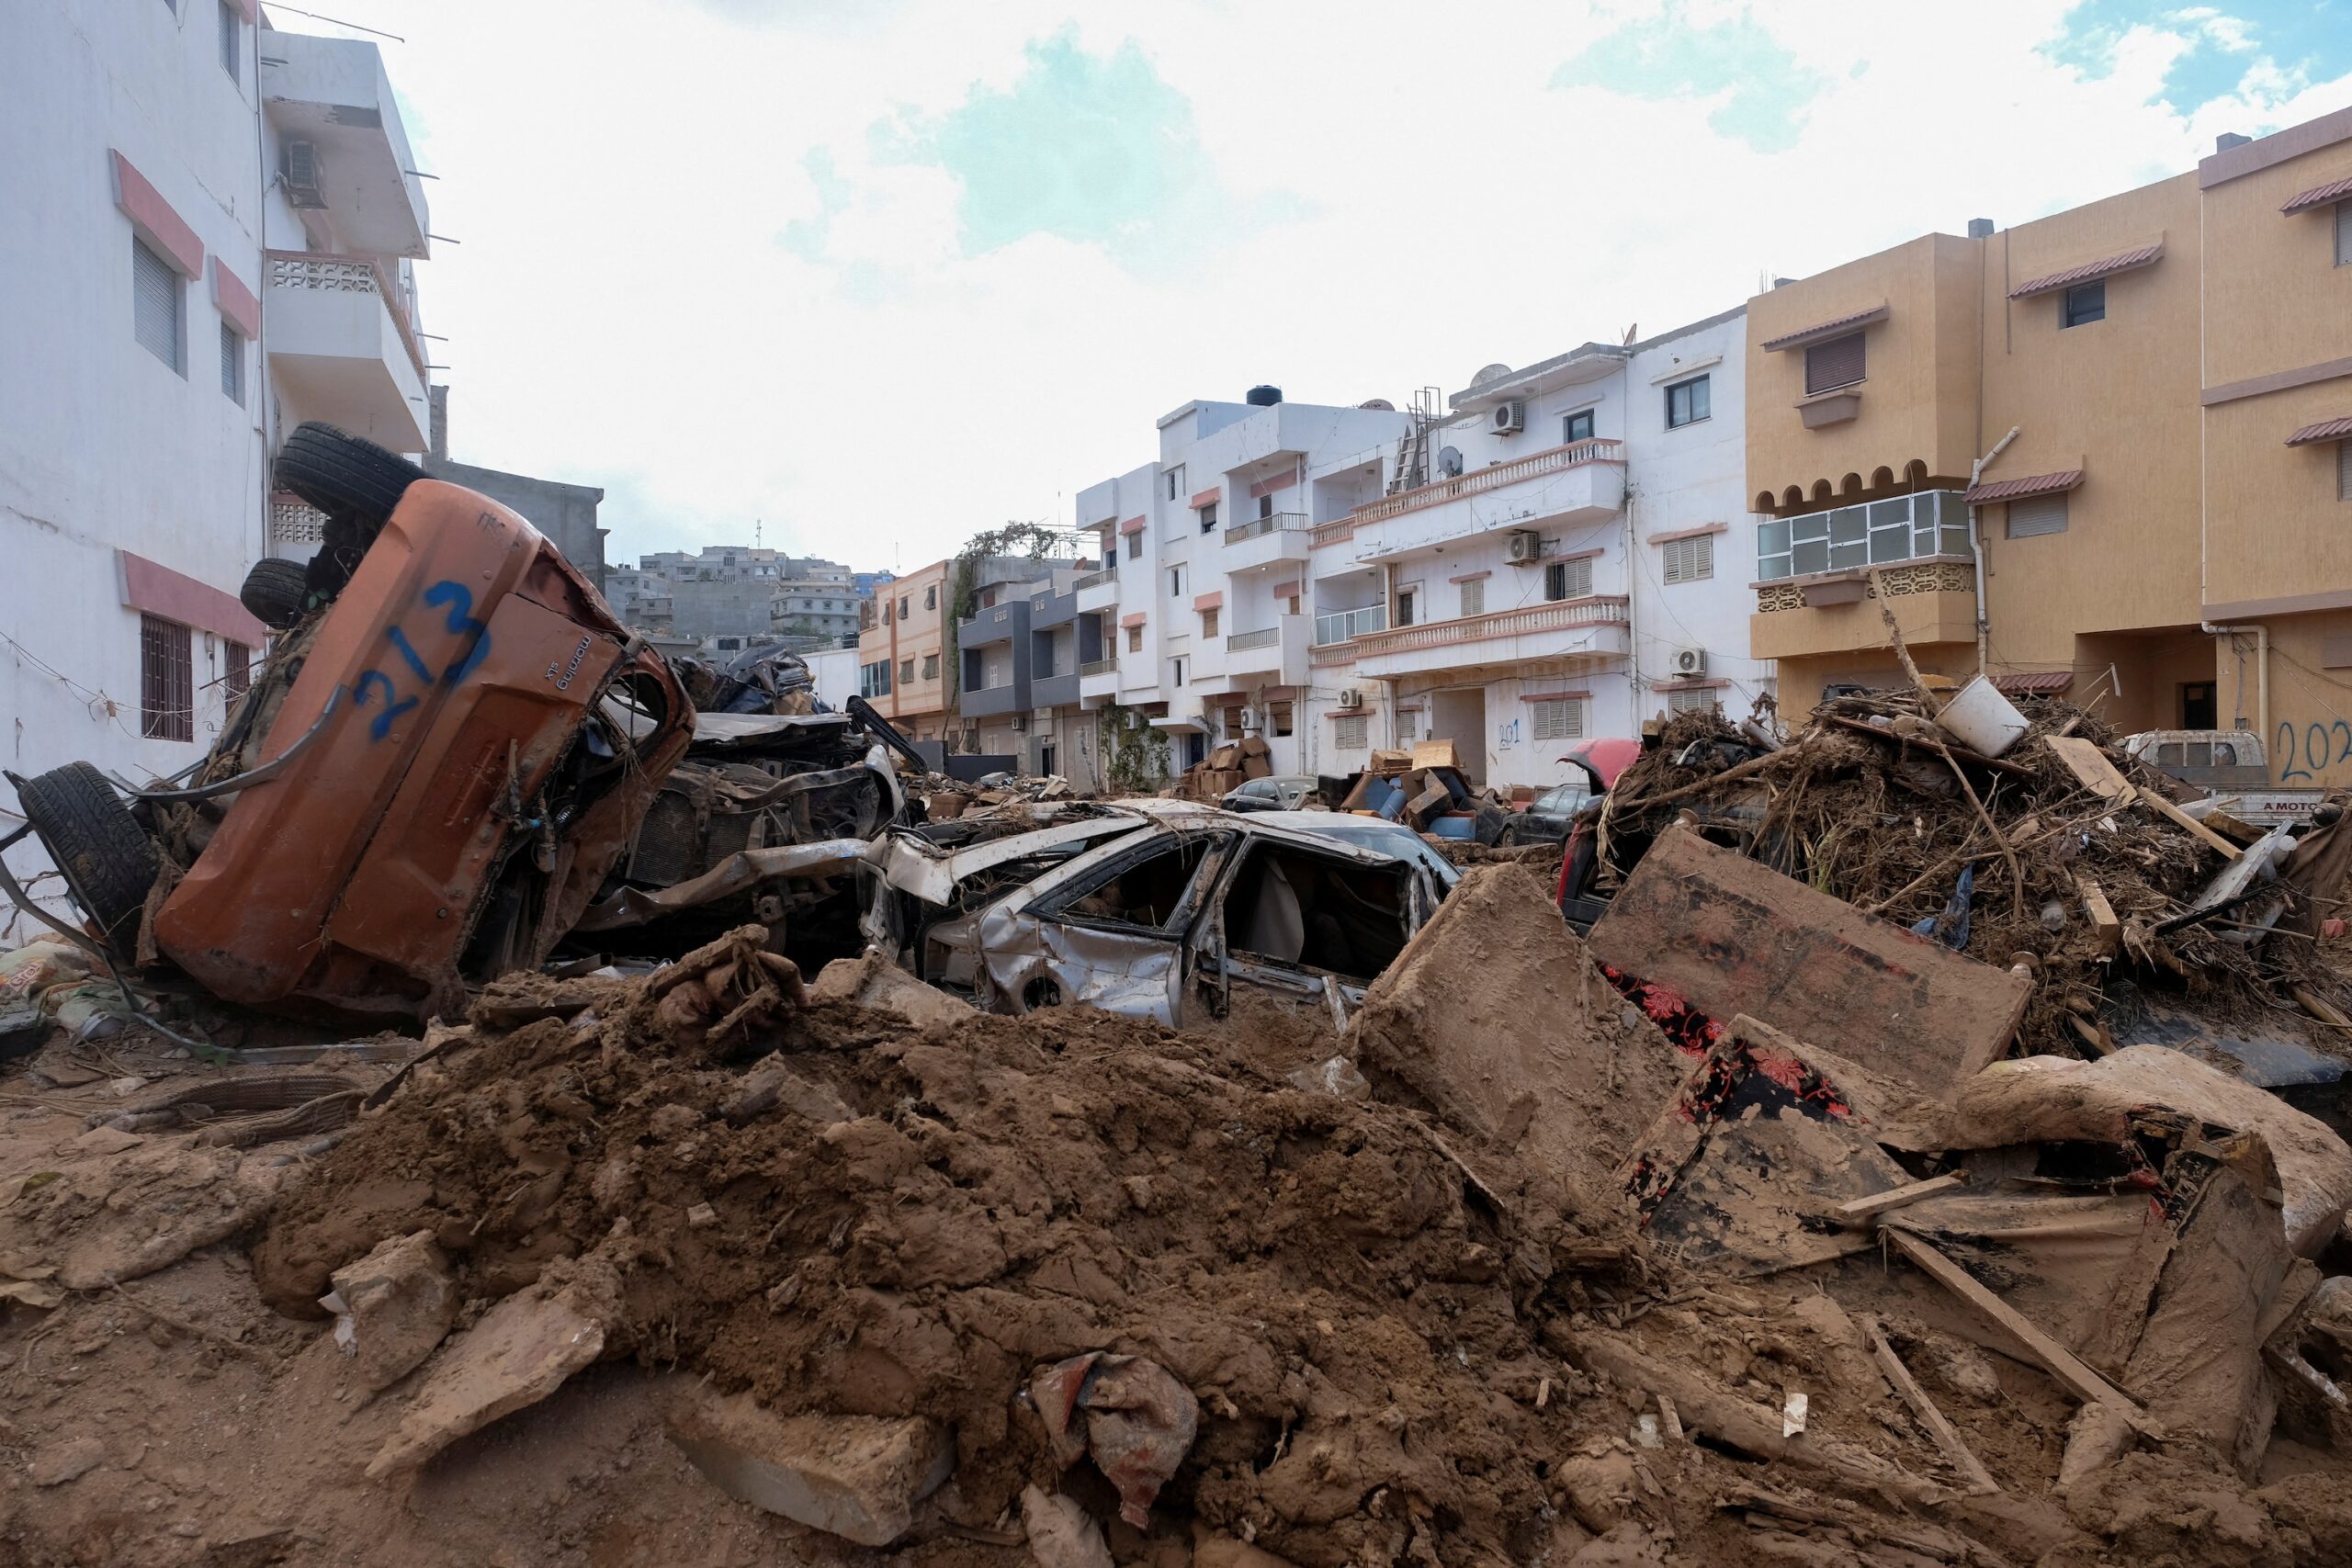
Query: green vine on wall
[1135, 755]
[1034, 540]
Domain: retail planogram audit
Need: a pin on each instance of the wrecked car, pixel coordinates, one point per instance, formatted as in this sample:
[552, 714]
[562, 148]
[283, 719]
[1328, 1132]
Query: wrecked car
[450, 744]
[1159, 908]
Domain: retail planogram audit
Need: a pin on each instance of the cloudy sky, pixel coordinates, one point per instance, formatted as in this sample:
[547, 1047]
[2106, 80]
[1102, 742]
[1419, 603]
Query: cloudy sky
[882, 274]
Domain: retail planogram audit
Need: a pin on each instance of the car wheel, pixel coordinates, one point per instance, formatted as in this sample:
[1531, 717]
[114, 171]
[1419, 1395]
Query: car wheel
[108, 863]
[277, 591]
[344, 476]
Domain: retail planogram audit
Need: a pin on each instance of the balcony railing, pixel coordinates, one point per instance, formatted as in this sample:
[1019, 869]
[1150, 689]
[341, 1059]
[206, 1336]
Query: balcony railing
[1100, 666]
[1851, 538]
[1095, 579]
[1565, 615]
[1271, 524]
[1241, 642]
[1337, 531]
[1574, 453]
[330, 274]
[1348, 624]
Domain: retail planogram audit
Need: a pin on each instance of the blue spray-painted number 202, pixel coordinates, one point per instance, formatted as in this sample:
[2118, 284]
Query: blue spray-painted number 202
[473, 645]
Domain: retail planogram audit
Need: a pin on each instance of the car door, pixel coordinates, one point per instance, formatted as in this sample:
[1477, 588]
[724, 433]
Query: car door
[1295, 923]
[1108, 930]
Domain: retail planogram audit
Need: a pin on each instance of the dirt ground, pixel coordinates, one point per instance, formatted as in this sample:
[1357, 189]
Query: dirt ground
[1409, 1339]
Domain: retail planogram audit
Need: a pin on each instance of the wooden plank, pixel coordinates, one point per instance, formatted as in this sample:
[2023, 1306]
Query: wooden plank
[2195, 829]
[1959, 753]
[1900, 1197]
[2089, 764]
[2105, 927]
[1963, 1459]
[1438, 753]
[2060, 1362]
[1733, 937]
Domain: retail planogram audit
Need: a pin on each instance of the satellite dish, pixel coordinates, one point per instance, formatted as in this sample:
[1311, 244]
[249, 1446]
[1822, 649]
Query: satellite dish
[1448, 462]
[1490, 373]
[1381, 404]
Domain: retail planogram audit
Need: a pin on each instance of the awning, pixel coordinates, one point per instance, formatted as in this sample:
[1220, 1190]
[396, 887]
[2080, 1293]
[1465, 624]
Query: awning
[2034, 683]
[2326, 430]
[2146, 255]
[1134, 619]
[1193, 726]
[1132, 525]
[2321, 196]
[1202, 497]
[153, 589]
[1210, 600]
[2018, 489]
[1834, 327]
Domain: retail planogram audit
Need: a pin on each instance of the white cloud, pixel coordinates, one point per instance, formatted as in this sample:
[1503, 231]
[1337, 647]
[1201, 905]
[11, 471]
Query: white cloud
[624, 310]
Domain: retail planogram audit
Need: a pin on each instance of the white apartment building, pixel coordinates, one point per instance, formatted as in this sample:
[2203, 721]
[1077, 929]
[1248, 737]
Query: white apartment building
[170, 305]
[1202, 622]
[1564, 557]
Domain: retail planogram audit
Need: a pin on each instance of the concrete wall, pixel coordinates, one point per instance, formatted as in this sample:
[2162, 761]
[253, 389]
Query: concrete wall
[566, 514]
[104, 447]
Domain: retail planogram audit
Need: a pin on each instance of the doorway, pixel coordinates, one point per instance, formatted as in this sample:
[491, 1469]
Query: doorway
[2200, 707]
[1461, 716]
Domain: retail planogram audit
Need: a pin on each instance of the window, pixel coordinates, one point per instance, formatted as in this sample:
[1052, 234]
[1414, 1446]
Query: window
[2344, 471]
[1691, 560]
[1292, 602]
[166, 680]
[1558, 719]
[232, 365]
[1569, 578]
[1175, 671]
[1837, 363]
[1135, 640]
[1278, 719]
[874, 680]
[1134, 545]
[155, 295]
[1265, 506]
[1688, 402]
[2344, 233]
[906, 670]
[1208, 623]
[1474, 597]
[2085, 303]
[229, 39]
[1208, 518]
[1408, 726]
[931, 667]
[1176, 581]
[902, 607]
[1152, 889]
[1176, 481]
[1691, 699]
[931, 597]
[1906, 527]
[1351, 733]
[2038, 514]
[1576, 426]
[237, 669]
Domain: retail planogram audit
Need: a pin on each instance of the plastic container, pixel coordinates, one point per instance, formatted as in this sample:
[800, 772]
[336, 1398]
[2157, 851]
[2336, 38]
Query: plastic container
[1982, 719]
[1456, 824]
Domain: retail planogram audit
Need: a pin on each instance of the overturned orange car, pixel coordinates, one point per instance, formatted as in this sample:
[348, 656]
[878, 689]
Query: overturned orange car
[451, 743]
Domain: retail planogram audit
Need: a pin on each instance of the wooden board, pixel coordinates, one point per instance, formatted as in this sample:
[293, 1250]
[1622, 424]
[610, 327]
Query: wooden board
[1735, 937]
[2090, 766]
[2105, 927]
[1438, 753]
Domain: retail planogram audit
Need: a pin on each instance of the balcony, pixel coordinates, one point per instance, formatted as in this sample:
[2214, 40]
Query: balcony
[1346, 626]
[1096, 591]
[332, 94]
[1277, 653]
[1000, 623]
[1581, 482]
[988, 702]
[340, 341]
[1262, 541]
[1853, 539]
[1590, 630]
[1054, 691]
[1933, 601]
[1098, 680]
[1048, 609]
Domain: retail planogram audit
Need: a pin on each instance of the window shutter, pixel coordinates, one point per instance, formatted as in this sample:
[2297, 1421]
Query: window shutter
[2344, 233]
[1348, 734]
[232, 364]
[2037, 514]
[1691, 560]
[155, 304]
[1572, 578]
[1837, 363]
[2344, 471]
[1559, 718]
[1691, 699]
[1474, 597]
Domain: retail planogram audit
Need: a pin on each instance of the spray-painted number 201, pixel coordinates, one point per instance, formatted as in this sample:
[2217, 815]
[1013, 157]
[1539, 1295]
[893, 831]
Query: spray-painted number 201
[470, 645]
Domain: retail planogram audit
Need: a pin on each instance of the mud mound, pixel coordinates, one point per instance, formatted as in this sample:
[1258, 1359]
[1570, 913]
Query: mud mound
[881, 1220]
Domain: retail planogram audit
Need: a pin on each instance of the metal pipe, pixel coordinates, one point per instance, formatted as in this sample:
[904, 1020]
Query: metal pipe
[2261, 671]
[1976, 546]
[267, 771]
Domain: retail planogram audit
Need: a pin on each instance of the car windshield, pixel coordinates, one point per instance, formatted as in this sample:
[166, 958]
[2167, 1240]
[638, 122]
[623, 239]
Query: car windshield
[1561, 799]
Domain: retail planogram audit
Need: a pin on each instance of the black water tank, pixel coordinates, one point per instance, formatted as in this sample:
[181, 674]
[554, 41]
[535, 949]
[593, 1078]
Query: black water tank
[1264, 397]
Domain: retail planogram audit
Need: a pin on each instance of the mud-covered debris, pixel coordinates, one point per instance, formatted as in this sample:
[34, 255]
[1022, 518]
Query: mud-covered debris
[1134, 1419]
[104, 1221]
[874, 981]
[392, 1308]
[1061, 1534]
[859, 1477]
[67, 1461]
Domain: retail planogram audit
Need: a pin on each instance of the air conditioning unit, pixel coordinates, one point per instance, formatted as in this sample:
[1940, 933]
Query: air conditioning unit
[1019, 722]
[1351, 698]
[1689, 661]
[302, 175]
[1506, 418]
[1246, 720]
[1525, 546]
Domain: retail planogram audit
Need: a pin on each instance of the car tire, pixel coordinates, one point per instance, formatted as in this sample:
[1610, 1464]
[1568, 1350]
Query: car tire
[344, 476]
[107, 861]
[277, 591]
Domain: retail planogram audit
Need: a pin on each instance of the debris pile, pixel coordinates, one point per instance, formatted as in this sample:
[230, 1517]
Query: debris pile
[1425, 789]
[1224, 770]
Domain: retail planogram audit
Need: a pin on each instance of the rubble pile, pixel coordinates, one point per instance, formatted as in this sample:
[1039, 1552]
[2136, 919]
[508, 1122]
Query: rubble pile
[1425, 789]
[1872, 803]
[1224, 770]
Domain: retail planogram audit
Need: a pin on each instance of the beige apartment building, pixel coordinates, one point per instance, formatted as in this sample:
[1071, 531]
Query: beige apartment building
[2166, 534]
[901, 644]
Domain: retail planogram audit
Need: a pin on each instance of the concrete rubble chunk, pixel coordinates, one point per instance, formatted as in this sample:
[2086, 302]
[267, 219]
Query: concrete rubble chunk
[859, 1477]
[874, 981]
[394, 1306]
[518, 1354]
[1061, 1534]
[68, 1461]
